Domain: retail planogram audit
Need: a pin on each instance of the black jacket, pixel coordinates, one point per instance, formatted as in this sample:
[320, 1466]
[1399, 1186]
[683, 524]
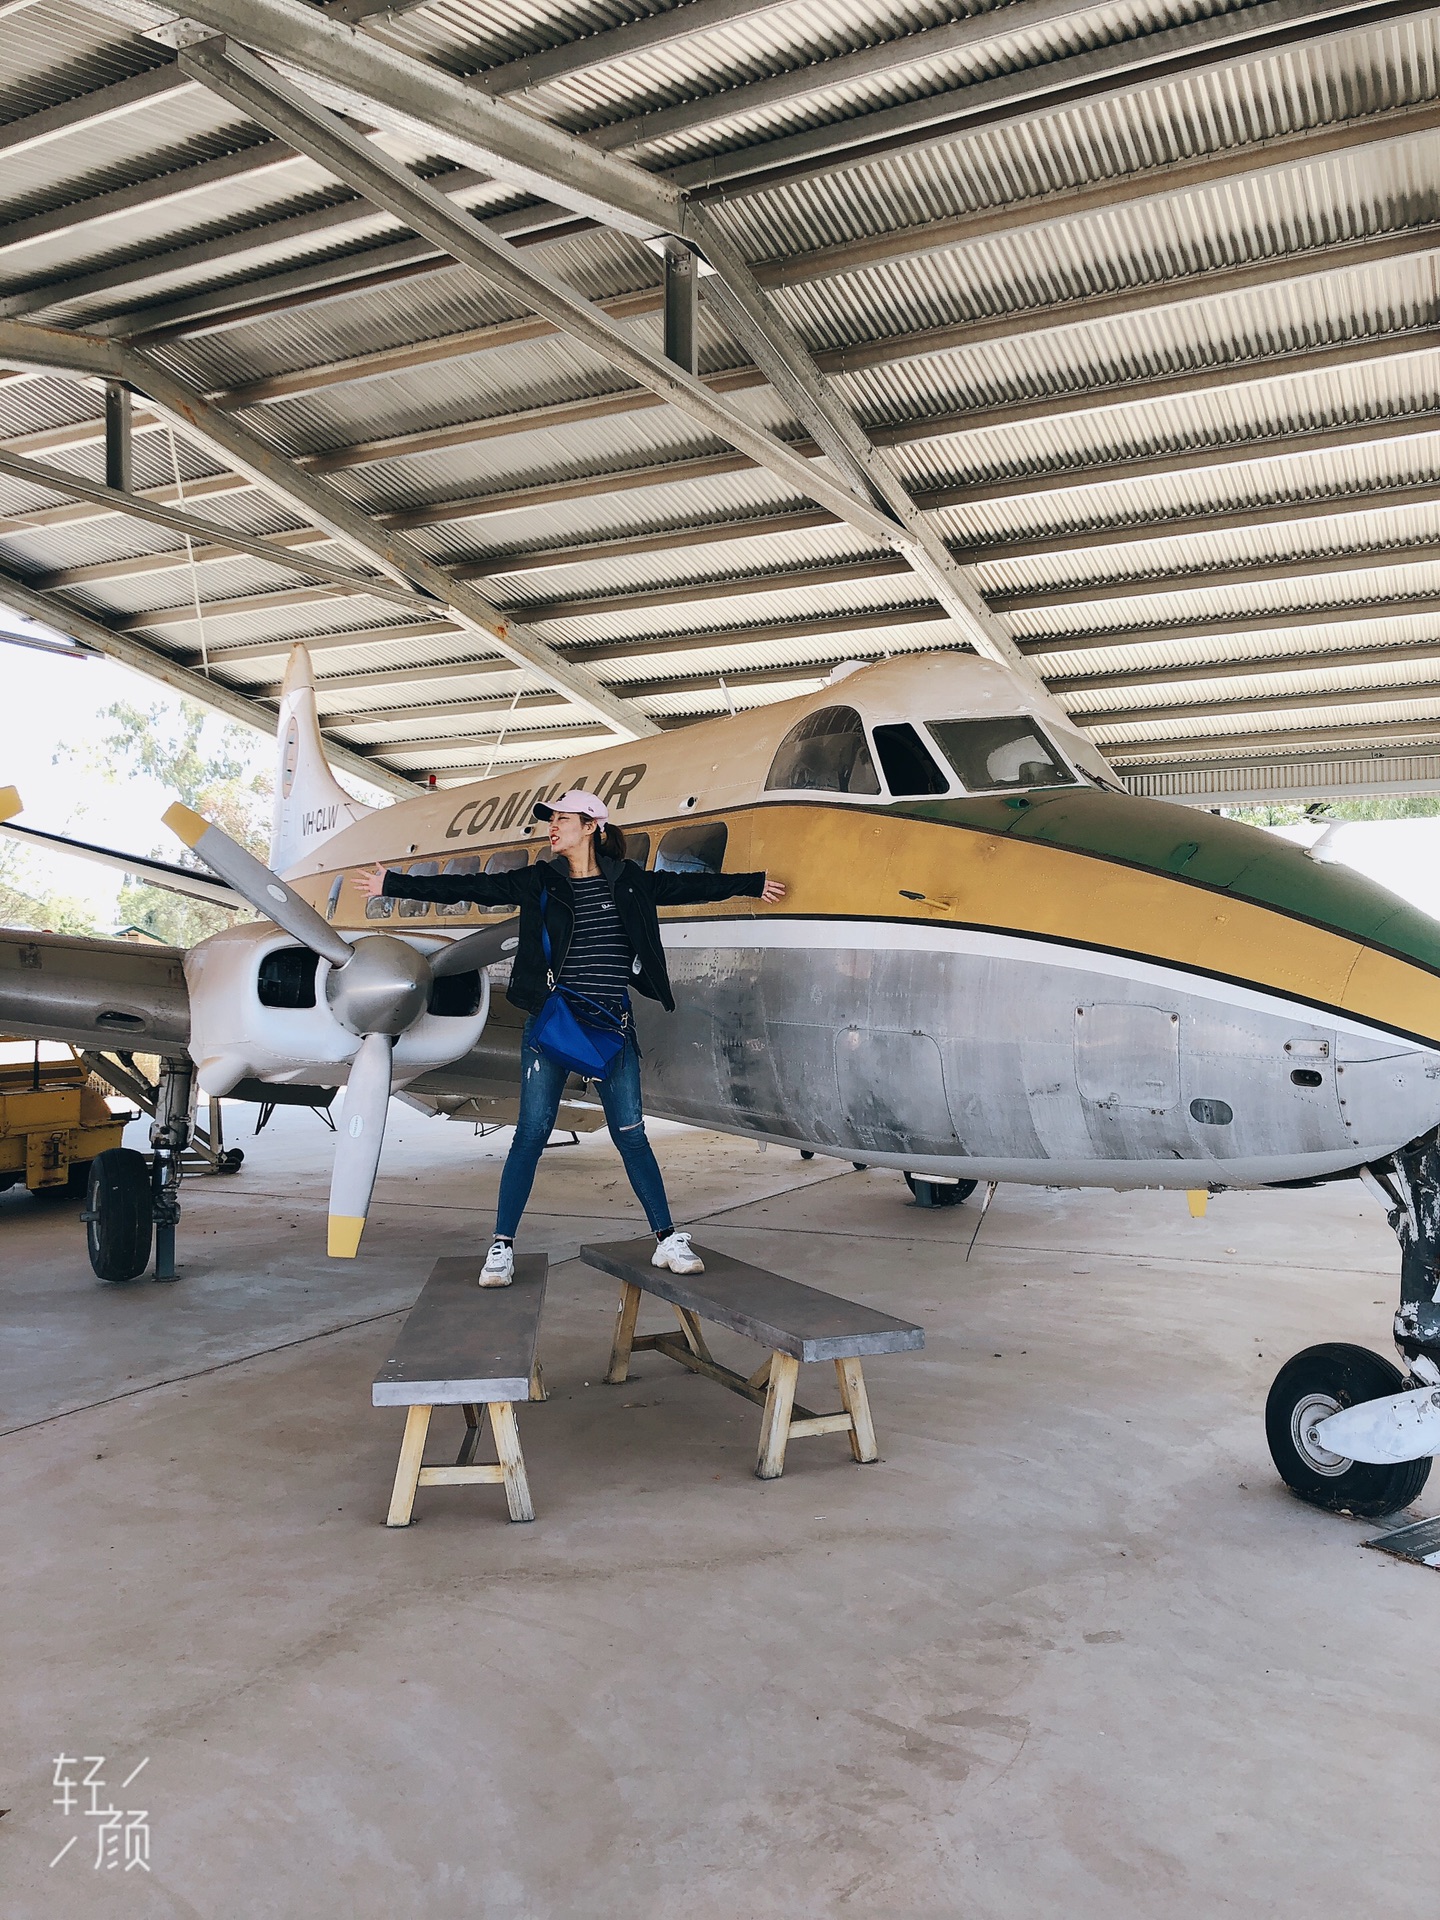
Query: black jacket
[636, 893]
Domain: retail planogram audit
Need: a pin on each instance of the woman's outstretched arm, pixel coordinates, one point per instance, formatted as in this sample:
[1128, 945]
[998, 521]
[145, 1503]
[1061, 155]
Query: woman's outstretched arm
[697, 889]
[485, 889]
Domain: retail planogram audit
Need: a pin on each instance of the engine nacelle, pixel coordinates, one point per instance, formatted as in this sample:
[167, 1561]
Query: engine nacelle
[259, 1011]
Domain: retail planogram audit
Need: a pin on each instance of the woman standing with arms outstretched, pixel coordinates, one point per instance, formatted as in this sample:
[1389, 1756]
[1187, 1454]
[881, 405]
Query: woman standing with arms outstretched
[604, 939]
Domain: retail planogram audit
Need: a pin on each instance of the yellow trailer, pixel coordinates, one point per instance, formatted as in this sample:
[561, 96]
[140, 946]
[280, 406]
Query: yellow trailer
[54, 1119]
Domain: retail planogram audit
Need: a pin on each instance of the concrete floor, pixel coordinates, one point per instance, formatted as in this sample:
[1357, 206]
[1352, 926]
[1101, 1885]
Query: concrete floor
[1069, 1648]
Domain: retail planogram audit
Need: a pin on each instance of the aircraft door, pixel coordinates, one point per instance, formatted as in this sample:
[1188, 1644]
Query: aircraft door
[892, 1091]
[1127, 1070]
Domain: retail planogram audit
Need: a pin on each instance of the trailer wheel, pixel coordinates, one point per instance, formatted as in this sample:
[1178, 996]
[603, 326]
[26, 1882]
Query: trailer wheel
[934, 1193]
[118, 1216]
[1320, 1381]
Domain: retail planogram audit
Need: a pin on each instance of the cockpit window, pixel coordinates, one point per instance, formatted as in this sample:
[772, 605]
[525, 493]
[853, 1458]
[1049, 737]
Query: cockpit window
[825, 753]
[991, 754]
[907, 763]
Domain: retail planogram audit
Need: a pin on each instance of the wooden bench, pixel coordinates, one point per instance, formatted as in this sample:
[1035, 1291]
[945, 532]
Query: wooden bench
[797, 1323]
[472, 1347]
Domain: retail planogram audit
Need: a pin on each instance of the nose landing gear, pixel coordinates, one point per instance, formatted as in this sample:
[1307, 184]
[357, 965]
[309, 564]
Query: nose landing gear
[1324, 1381]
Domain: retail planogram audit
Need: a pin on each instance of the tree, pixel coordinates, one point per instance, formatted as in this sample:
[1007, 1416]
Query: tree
[25, 900]
[211, 775]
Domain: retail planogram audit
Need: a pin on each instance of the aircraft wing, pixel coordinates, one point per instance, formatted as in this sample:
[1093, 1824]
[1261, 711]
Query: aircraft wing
[159, 873]
[93, 993]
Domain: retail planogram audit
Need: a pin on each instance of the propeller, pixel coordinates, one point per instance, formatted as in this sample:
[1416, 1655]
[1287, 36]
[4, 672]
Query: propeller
[9, 802]
[376, 988]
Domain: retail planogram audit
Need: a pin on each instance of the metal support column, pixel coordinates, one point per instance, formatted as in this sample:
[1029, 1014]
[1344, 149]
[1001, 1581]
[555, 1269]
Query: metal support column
[119, 464]
[681, 286]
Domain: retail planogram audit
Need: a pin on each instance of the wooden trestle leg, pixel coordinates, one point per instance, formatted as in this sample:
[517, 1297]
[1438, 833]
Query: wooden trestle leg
[775, 1424]
[625, 1320]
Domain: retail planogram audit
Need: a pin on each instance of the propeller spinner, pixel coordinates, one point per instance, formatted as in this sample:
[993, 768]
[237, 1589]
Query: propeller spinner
[376, 988]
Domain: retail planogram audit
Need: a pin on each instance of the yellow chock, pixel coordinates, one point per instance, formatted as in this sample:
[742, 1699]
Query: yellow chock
[1199, 1198]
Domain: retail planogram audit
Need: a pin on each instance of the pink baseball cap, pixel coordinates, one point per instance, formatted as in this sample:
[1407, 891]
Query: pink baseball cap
[576, 801]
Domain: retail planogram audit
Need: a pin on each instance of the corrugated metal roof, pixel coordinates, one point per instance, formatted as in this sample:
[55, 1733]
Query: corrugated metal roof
[1126, 318]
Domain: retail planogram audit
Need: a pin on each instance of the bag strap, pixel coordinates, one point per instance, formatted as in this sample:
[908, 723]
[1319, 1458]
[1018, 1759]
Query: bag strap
[545, 937]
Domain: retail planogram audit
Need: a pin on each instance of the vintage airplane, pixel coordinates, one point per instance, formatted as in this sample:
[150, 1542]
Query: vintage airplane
[993, 963]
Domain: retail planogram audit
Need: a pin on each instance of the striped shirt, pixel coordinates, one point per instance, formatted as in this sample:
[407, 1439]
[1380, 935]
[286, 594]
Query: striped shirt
[599, 956]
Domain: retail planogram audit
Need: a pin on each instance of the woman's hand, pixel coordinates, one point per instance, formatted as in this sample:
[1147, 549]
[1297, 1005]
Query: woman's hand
[370, 881]
[772, 891]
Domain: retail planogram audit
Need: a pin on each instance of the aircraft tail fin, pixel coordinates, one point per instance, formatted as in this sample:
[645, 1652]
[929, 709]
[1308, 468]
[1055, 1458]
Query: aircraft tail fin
[310, 803]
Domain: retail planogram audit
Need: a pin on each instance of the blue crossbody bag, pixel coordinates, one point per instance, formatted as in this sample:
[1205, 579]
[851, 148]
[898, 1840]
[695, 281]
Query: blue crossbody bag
[571, 1028]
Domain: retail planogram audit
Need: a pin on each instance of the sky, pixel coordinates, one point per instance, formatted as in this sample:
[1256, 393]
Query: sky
[51, 704]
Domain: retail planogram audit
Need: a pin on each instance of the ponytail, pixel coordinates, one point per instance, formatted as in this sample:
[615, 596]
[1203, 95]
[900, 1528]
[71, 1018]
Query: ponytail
[610, 841]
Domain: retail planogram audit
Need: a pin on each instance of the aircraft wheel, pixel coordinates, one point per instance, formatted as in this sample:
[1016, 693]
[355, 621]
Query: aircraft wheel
[806, 1153]
[118, 1214]
[933, 1193]
[1320, 1381]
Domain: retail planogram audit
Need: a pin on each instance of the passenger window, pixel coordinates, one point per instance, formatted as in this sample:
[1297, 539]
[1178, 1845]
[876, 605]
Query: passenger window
[991, 754]
[465, 863]
[697, 849]
[508, 860]
[825, 753]
[907, 763]
[637, 847]
[380, 908]
[417, 909]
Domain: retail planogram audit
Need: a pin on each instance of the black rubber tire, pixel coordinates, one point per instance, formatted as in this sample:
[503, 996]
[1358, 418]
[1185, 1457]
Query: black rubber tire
[806, 1153]
[119, 1222]
[861, 1166]
[943, 1196]
[1348, 1376]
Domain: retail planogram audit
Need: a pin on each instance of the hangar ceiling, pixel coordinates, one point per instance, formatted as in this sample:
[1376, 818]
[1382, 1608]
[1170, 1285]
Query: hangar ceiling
[577, 368]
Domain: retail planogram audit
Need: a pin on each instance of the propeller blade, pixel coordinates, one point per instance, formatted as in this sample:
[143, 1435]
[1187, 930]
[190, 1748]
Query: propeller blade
[357, 1145]
[476, 950]
[9, 802]
[254, 881]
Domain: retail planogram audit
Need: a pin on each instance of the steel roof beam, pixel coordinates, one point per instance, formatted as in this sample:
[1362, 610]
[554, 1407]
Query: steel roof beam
[1281, 621]
[337, 639]
[1261, 703]
[666, 646]
[1222, 37]
[878, 568]
[135, 507]
[239, 77]
[1035, 94]
[617, 43]
[1136, 752]
[90, 632]
[171, 560]
[322, 505]
[1233, 669]
[86, 111]
[1310, 566]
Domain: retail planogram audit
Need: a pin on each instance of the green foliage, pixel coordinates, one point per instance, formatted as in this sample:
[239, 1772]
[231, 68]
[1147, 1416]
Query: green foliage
[1327, 813]
[26, 902]
[205, 764]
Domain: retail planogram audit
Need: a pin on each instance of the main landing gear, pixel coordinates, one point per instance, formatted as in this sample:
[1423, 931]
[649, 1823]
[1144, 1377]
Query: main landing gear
[133, 1203]
[939, 1193]
[1347, 1430]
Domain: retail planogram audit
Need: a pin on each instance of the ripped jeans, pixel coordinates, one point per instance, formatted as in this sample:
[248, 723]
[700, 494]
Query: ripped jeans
[542, 1081]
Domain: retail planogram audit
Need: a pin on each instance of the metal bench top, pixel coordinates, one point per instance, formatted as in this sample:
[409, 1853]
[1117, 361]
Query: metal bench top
[782, 1314]
[463, 1344]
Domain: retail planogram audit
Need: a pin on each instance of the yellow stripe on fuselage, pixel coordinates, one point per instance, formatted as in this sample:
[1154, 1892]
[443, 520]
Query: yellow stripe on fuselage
[840, 862]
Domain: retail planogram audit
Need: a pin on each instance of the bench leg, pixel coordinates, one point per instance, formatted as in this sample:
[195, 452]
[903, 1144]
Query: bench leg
[537, 1383]
[775, 1426]
[694, 1337]
[469, 1446]
[856, 1403]
[407, 1473]
[512, 1461]
[624, 1335]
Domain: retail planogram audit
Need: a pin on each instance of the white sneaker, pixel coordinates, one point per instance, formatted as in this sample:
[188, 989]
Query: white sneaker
[499, 1267]
[676, 1253]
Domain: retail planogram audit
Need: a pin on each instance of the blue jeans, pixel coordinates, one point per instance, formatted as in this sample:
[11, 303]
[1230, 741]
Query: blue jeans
[542, 1081]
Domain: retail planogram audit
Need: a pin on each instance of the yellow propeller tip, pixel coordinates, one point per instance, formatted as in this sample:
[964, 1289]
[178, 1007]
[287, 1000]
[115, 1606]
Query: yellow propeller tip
[1199, 1198]
[10, 802]
[185, 825]
[344, 1240]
